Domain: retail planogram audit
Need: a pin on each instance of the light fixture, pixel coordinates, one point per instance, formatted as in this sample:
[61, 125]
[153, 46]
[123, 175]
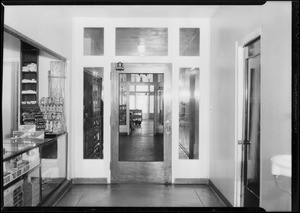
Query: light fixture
[120, 66]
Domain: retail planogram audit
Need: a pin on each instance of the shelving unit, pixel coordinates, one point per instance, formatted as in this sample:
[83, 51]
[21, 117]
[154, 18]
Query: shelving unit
[28, 80]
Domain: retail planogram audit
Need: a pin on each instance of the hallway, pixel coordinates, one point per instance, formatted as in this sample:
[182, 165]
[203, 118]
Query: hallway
[140, 195]
[141, 145]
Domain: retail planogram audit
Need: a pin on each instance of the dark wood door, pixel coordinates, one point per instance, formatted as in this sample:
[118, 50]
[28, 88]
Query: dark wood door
[251, 133]
[143, 172]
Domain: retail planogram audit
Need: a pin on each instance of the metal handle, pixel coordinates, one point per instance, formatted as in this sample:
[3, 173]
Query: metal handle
[240, 142]
[168, 127]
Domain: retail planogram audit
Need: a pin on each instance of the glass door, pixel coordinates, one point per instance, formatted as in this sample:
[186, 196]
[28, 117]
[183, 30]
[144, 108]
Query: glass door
[141, 123]
[251, 126]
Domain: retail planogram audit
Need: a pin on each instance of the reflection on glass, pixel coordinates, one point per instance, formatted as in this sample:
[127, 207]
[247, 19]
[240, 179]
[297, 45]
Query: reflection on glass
[53, 165]
[253, 149]
[189, 113]
[189, 41]
[160, 108]
[93, 113]
[253, 49]
[141, 41]
[122, 105]
[93, 41]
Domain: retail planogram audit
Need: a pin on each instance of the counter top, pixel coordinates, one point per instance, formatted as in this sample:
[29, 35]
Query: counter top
[14, 147]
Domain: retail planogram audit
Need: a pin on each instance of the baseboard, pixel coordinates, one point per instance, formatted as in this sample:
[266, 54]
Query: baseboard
[89, 181]
[58, 194]
[220, 195]
[191, 181]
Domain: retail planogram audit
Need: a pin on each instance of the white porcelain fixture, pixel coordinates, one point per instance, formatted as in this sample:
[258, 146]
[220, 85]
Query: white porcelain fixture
[282, 165]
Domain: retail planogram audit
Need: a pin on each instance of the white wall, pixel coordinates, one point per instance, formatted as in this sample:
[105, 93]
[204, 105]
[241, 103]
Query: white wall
[230, 25]
[11, 64]
[46, 25]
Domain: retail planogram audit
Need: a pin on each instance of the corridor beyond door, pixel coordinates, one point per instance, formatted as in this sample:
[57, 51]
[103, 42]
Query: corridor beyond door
[141, 126]
[141, 144]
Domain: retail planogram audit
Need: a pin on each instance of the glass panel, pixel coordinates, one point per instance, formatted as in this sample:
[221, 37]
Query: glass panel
[189, 113]
[132, 88]
[160, 106]
[253, 49]
[151, 88]
[140, 139]
[142, 102]
[189, 41]
[132, 102]
[122, 105]
[53, 165]
[141, 88]
[93, 41]
[151, 103]
[10, 69]
[122, 78]
[141, 41]
[253, 150]
[160, 78]
[93, 113]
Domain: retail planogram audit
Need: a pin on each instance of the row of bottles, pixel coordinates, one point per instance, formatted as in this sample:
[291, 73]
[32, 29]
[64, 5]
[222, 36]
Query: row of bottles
[52, 104]
[52, 109]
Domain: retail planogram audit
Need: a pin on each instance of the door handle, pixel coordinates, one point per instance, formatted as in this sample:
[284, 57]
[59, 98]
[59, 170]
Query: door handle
[168, 127]
[241, 142]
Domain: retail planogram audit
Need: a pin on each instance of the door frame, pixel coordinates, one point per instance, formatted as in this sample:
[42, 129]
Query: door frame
[166, 165]
[239, 112]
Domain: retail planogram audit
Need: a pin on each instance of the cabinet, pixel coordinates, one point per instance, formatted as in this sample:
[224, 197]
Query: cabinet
[33, 169]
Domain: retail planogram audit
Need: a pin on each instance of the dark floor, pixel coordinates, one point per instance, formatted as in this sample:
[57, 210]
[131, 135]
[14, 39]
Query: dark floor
[140, 195]
[141, 145]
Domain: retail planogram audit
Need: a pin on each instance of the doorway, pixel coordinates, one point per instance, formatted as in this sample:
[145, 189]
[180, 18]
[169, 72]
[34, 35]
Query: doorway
[251, 126]
[141, 123]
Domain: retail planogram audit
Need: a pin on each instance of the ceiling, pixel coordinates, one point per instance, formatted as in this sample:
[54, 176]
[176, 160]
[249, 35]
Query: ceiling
[182, 11]
[141, 11]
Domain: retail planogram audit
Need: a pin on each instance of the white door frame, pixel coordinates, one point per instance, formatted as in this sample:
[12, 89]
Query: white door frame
[85, 168]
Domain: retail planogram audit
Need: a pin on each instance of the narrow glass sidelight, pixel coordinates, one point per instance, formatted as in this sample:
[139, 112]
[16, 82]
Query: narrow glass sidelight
[189, 113]
[93, 113]
[93, 43]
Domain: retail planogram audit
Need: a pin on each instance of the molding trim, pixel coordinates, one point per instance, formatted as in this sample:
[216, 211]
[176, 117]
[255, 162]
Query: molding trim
[220, 195]
[191, 181]
[89, 181]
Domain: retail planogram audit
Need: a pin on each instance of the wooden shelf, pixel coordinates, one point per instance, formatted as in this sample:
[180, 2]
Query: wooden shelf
[29, 55]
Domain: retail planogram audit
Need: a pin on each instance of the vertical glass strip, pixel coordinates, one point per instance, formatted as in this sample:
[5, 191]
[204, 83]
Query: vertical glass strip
[189, 113]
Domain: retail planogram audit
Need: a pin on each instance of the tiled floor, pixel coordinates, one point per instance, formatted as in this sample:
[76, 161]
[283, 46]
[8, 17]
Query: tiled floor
[140, 195]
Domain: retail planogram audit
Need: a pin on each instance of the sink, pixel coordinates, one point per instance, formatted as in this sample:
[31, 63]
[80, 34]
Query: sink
[282, 165]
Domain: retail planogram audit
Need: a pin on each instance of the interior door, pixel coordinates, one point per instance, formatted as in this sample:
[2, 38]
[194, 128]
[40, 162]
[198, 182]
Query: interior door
[251, 126]
[138, 171]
